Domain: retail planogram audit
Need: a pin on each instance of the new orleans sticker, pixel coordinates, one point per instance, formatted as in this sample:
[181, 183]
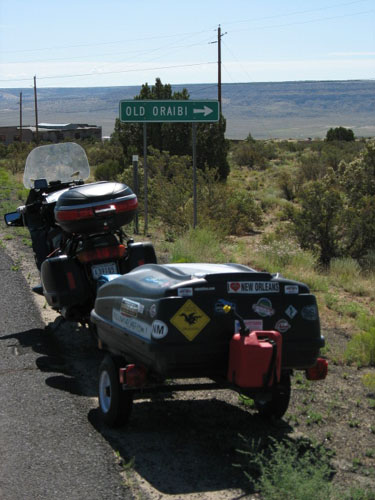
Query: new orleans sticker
[190, 320]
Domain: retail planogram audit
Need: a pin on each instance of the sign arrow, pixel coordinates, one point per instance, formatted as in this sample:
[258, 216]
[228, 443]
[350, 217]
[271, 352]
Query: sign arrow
[206, 110]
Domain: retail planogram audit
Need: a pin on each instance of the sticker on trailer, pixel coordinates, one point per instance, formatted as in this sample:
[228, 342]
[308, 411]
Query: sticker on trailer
[253, 287]
[154, 280]
[310, 313]
[251, 324]
[190, 320]
[291, 289]
[282, 326]
[264, 308]
[130, 308]
[205, 289]
[219, 306]
[153, 310]
[132, 325]
[185, 292]
[159, 329]
[291, 311]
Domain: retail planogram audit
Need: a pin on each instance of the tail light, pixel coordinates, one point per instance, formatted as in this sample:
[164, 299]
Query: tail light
[102, 253]
[133, 376]
[97, 211]
[318, 371]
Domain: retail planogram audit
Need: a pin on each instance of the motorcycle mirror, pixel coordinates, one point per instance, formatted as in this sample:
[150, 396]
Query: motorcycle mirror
[13, 219]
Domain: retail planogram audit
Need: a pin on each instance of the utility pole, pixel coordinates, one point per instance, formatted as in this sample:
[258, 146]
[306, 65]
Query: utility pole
[20, 116]
[36, 112]
[219, 37]
[219, 66]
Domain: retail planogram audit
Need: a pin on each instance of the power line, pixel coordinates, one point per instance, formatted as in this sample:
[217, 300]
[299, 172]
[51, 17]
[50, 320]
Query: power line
[110, 72]
[129, 40]
[295, 12]
[305, 22]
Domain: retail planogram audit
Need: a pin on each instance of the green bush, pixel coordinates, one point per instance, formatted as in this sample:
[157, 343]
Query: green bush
[340, 134]
[198, 245]
[290, 470]
[107, 171]
[361, 348]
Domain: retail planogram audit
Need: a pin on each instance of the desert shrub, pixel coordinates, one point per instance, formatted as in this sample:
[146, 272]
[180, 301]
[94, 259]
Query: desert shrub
[288, 184]
[293, 470]
[340, 134]
[318, 222]
[101, 152]
[252, 153]
[107, 171]
[345, 270]
[198, 245]
[170, 197]
[311, 167]
[361, 348]
[368, 381]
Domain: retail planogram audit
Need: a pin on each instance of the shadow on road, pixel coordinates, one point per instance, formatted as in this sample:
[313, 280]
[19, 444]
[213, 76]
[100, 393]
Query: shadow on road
[183, 446]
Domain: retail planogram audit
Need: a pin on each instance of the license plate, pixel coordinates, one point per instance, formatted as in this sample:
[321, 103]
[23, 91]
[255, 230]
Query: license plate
[107, 268]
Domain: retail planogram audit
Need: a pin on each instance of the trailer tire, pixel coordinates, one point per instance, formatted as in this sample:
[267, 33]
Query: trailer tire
[115, 405]
[277, 406]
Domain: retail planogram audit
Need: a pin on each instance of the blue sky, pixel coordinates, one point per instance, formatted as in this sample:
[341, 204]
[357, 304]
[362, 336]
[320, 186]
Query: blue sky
[84, 43]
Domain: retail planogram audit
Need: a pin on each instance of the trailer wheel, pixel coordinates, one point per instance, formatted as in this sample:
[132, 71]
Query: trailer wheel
[115, 405]
[277, 406]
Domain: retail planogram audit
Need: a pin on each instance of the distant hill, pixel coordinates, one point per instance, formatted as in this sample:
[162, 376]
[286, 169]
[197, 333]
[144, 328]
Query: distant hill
[266, 110]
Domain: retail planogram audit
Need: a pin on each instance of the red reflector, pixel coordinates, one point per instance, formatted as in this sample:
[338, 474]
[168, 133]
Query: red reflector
[76, 214]
[102, 253]
[71, 280]
[125, 206]
[318, 371]
[133, 376]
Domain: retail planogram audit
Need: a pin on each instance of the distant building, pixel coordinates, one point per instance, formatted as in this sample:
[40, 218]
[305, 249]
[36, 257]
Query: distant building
[50, 132]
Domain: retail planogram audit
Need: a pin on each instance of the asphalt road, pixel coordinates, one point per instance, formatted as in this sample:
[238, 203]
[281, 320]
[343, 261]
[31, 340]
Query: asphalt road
[48, 447]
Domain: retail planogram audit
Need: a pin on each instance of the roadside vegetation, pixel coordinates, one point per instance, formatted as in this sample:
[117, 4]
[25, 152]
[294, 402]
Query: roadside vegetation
[302, 208]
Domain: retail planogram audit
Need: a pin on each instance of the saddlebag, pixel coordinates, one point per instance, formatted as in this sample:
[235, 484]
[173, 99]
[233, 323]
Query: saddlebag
[64, 282]
[95, 208]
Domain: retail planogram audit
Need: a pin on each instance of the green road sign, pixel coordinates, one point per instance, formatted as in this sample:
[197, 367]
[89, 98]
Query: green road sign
[169, 111]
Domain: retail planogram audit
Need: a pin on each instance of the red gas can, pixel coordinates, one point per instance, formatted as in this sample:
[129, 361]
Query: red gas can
[253, 358]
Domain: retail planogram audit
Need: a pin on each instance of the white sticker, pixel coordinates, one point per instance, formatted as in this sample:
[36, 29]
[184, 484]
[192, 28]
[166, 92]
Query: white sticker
[251, 324]
[153, 310]
[291, 311]
[130, 308]
[291, 289]
[132, 325]
[264, 308]
[185, 292]
[159, 329]
[253, 287]
[282, 326]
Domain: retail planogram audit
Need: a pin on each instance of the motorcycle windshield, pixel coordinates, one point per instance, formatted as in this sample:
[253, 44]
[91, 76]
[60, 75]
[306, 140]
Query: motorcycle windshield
[63, 162]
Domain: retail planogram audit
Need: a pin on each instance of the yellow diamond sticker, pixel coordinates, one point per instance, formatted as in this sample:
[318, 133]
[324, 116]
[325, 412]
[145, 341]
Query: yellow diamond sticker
[190, 320]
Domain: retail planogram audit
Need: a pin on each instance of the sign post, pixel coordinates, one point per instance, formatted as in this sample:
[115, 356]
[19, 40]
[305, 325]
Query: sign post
[136, 190]
[169, 111]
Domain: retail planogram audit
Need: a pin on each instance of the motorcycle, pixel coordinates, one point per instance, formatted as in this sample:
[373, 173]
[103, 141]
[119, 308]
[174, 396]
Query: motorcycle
[76, 228]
